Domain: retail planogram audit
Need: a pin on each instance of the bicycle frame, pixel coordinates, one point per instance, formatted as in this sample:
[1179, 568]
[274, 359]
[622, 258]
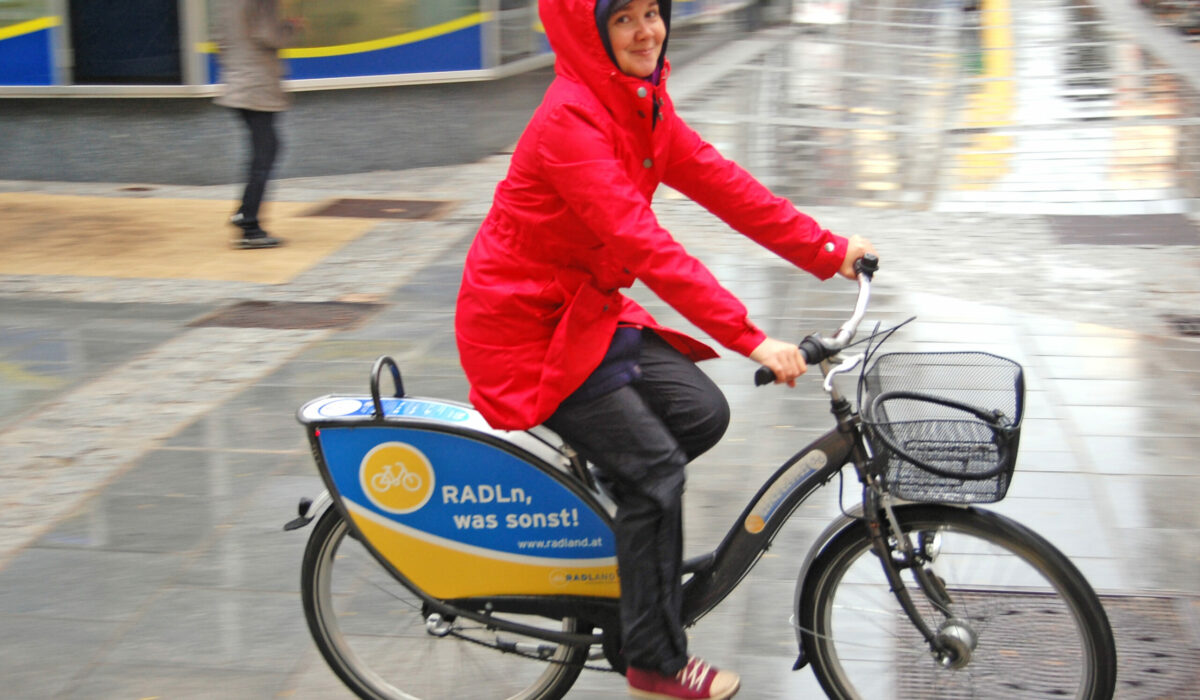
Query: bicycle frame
[712, 576]
[716, 574]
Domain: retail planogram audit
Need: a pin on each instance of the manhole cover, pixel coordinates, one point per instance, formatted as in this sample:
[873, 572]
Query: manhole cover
[1140, 229]
[1157, 655]
[1185, 325]
[414, 209]
[288, 315]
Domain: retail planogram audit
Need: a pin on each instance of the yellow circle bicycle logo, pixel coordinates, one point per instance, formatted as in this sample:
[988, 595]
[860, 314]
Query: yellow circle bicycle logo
[396, 477]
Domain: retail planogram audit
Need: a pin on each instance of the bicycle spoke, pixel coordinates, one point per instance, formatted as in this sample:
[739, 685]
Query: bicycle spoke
[373, 632]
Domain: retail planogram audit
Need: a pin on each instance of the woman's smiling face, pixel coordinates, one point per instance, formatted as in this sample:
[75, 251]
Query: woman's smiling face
[636, 33]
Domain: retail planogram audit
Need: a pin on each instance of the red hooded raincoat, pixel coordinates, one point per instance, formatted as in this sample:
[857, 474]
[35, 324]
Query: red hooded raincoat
[571, 225]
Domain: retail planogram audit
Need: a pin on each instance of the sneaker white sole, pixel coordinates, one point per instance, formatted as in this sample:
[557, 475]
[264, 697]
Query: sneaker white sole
[647, 695]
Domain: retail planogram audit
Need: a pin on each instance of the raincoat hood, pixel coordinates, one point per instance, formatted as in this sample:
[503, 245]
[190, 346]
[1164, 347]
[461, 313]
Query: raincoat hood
[580, 52]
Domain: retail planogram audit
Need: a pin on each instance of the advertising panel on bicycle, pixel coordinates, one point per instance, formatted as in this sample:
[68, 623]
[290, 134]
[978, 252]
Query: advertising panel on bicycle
[444, 503]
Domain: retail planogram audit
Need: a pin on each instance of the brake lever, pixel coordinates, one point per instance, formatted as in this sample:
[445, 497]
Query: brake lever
[843, 367]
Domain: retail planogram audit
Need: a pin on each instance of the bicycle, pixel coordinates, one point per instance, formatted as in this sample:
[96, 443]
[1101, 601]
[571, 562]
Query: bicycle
[507, 546]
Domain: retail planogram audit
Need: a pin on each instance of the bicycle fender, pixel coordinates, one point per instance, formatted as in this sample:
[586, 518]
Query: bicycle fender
[309, 509]
[839, 523]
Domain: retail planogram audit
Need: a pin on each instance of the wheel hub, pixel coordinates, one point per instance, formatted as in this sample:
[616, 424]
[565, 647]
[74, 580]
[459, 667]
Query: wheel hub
[437, 625]
[956, 642]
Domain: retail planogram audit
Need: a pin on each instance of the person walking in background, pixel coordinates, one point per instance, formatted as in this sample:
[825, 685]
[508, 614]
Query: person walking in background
[545, 335]
[250, 35]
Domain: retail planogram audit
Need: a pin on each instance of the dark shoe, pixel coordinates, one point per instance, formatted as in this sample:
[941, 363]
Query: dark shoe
[262, 240]
[697, 681]
[253, 236]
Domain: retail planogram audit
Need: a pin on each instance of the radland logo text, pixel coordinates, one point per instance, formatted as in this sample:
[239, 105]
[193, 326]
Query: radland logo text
[559, 577]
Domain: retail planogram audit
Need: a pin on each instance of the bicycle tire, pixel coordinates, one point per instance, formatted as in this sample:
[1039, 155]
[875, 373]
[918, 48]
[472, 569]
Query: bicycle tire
[1042, 633]
[372, 632]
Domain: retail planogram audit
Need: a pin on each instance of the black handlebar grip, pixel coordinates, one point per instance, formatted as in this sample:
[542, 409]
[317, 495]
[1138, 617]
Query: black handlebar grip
[810, 348]
[867, 264]
[813, 351]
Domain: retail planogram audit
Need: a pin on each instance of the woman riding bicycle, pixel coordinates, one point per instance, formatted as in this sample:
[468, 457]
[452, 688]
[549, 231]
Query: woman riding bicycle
[546, 337]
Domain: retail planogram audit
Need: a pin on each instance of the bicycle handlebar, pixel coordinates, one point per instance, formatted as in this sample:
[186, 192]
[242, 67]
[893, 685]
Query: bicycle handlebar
[816, 349]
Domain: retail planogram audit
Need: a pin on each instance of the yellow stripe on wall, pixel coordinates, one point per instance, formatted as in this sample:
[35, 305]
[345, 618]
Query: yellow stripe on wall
[376, 44]
[33, 25]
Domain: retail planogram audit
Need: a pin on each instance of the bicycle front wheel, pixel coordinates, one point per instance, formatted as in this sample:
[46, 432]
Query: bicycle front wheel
[1025, 622]
[374, 634]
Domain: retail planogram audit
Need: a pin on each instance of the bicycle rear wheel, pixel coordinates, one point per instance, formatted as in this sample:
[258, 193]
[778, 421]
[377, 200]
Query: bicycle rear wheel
[1039, 628]
[374, 635]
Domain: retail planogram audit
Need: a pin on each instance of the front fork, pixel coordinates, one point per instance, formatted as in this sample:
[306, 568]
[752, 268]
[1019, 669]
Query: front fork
[954, 640]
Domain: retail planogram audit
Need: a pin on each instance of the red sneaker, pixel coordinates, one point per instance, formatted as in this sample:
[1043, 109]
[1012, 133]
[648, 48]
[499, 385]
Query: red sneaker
[696, 681]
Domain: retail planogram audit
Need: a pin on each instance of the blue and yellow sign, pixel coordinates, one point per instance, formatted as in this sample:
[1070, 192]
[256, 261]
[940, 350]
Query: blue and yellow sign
[27, 52]
[456, 45]
[462, 518]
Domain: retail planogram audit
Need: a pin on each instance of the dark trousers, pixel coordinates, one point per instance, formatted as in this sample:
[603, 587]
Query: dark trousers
[264, 148]
[640, 437]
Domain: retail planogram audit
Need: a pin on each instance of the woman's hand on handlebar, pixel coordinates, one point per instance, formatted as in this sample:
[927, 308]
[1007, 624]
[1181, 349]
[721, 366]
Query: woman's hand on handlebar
[856, 247]
[784, 359]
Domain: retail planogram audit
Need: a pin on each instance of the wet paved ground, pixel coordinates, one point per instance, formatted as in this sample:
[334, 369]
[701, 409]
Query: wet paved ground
[149, 463]
[1016, 107]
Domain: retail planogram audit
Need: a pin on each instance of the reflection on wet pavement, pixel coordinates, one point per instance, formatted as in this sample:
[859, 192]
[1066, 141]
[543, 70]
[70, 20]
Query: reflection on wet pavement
[1021, 106]
[47, 348]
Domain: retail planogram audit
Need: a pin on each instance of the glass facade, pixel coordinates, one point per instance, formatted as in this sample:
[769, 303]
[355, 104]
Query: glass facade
[360, 38]
[342, 22]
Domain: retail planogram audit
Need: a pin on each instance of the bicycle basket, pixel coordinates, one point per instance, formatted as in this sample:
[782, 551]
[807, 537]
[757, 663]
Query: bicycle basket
[944, 426]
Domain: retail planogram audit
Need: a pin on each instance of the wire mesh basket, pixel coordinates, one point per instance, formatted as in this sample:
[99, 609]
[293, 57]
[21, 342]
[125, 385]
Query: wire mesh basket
[944, 426]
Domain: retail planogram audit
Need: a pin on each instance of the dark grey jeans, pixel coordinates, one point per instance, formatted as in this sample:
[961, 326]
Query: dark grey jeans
[640, 437]
[264, 149]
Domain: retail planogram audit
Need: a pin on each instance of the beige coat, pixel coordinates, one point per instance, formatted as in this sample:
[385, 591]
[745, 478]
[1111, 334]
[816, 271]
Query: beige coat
[249, 36]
